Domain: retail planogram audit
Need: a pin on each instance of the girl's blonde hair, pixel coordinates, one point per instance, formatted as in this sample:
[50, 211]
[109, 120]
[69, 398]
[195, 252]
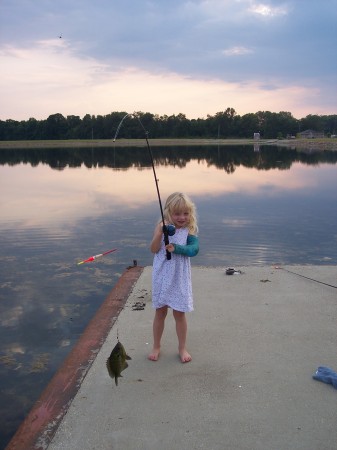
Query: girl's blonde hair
[177, 202]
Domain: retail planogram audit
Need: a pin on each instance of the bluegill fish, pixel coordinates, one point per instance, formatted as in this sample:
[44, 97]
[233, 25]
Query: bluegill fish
[116, 362]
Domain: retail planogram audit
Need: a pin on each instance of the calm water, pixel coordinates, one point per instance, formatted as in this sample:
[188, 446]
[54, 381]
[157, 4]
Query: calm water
[60, 206]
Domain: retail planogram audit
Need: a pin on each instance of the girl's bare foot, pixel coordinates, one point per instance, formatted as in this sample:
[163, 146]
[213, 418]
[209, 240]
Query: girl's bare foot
[154, 355]
[185, 356]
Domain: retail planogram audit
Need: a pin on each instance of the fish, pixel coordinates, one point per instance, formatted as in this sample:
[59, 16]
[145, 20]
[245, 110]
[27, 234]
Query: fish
[116, 362]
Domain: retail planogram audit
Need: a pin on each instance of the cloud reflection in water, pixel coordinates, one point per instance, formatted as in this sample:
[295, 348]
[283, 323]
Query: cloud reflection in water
[42, 196]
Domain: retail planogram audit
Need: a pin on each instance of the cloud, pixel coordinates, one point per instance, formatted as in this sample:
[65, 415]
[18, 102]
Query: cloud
[190, 56]
[237, 51]
[51, 78]
[264, 10]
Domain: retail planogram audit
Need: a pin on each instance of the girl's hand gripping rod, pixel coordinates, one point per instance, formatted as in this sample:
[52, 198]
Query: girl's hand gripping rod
[165, 229]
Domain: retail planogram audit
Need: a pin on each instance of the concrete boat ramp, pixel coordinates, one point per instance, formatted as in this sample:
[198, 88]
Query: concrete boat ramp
[256, 339]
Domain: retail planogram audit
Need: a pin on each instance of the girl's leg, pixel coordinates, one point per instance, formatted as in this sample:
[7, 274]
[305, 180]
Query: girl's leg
[158, 328]
[181, 328]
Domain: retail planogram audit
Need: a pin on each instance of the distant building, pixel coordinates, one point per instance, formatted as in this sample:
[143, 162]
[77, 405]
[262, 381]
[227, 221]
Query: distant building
[256, 136]
[311, 134]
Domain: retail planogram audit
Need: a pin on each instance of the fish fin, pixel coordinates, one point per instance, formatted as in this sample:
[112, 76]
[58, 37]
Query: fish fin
[109, 369]
[127, 357]
[116, 378]
[124, 366]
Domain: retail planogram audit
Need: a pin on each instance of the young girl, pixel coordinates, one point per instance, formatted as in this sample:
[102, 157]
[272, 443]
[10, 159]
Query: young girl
[171, 279]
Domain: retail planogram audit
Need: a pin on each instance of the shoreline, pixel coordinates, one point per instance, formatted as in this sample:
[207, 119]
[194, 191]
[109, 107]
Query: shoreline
[324, 144]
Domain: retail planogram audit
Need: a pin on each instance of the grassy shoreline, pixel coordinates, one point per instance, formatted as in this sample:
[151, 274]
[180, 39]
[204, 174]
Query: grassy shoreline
[311, 144]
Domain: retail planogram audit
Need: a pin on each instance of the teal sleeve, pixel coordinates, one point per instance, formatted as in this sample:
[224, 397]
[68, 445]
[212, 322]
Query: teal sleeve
[190, 249]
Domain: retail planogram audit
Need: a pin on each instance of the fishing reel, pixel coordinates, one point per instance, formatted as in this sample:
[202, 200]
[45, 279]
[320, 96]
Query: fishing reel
[170, 229]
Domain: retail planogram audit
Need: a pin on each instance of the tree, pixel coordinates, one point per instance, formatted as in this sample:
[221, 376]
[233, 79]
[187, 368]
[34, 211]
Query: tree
[224, 122]
[86, 130]
[312, 122]
[248, 125]
[32, 129]
[56, 127]
[73, 125]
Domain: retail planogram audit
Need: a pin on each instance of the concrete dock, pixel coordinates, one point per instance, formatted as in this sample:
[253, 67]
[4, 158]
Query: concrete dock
[256, 338]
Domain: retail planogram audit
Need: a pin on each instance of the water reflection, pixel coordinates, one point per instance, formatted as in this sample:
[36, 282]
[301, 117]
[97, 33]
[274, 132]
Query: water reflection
[55, 196]
[227, 158]
[271, 206]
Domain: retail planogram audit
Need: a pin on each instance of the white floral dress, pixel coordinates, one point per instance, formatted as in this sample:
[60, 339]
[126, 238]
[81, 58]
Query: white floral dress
[171, 279]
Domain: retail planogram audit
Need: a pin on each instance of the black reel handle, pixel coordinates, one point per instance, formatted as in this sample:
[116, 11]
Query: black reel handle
[166, 241]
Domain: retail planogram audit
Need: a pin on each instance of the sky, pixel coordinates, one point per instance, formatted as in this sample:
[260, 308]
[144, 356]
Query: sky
[196, 57]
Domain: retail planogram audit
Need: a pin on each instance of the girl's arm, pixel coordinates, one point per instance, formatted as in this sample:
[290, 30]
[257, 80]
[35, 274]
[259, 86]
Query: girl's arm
[157, 238]
[190, 249]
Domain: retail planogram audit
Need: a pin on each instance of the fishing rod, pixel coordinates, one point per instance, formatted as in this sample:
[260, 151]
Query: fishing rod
[167, 230]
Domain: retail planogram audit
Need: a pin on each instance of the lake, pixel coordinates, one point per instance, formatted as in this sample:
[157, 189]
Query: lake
[261, 206]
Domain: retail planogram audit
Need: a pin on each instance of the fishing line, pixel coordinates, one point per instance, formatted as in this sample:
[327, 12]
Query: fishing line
[165, 228]
[308, 278]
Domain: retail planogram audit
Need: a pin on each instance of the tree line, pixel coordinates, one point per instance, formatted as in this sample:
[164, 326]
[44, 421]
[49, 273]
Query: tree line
[222, 125]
